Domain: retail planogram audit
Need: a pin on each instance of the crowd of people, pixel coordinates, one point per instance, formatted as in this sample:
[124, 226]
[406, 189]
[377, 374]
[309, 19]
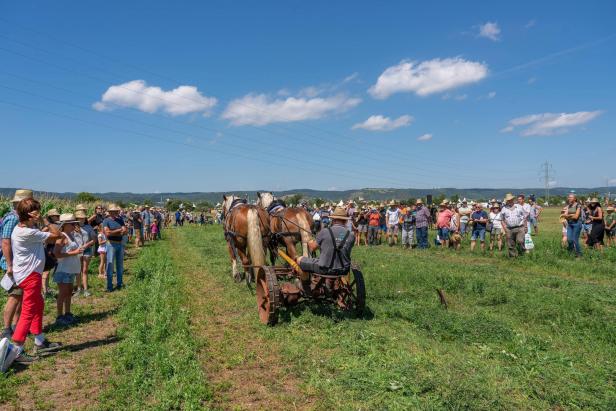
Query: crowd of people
[493, 225]
[60, 246]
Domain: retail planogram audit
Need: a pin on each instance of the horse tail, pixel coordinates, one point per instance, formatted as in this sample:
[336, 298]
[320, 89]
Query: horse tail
[304, 232]
[255, 241]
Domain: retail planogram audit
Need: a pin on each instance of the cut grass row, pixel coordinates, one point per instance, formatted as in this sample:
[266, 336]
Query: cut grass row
[155, 364]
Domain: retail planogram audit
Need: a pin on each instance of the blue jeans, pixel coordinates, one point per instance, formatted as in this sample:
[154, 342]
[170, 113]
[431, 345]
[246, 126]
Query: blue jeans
[443, 233]
[573, 237]
[115, 250]
[422, 237]
[479, 233]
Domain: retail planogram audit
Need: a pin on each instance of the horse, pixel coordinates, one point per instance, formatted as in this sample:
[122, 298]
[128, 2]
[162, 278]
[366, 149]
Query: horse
[289, 224]
[246, 226]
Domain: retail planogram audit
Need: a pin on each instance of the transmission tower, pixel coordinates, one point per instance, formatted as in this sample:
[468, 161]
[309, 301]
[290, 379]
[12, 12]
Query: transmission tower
[547, 176]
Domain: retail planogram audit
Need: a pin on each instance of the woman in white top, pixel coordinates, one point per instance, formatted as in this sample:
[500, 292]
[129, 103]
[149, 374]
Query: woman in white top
[68, 252]
[85, 236]
[102, 252]
[27, 245]
[496, 220]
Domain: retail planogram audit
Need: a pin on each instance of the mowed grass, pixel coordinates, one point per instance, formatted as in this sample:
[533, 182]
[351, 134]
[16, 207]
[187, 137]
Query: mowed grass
[155, 364]
[537, 332]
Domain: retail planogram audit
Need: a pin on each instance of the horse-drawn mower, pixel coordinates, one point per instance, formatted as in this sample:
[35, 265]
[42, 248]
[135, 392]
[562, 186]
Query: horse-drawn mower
[285, 286]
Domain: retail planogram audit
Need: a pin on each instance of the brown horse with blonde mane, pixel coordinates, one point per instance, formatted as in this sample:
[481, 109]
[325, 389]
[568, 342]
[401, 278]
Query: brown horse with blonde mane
[247, 233]
[289, 225]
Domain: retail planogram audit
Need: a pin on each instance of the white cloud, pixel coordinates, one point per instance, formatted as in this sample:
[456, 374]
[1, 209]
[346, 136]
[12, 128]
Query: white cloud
[425, 137]
[261, 109]
[530, 24]
[150, 99]
[491, 95]
[427, 77]
[350, 78]
[490, 30]
[381, 123]
[546, 124]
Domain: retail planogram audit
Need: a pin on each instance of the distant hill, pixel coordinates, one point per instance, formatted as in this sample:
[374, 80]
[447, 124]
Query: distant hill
[379, 194]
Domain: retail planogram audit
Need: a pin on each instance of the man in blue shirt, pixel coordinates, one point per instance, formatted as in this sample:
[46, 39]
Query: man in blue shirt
[115, 230]
[479, 218]
[13, 302]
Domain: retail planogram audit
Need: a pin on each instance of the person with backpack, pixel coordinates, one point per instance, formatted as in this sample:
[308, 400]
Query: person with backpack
[14, 298]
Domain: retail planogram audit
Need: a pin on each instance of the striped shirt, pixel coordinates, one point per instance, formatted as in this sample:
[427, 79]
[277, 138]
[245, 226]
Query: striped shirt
[513, 216]
[422, 218]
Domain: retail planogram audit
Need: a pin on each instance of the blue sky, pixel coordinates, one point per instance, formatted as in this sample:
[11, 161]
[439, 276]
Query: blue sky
[214, 96]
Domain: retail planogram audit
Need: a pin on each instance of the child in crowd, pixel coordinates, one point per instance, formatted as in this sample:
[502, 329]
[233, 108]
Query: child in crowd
[102, 252]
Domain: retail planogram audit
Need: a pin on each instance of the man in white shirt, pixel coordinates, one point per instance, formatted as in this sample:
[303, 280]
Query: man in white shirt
[392, 219]
[465, 212]
[514, 225]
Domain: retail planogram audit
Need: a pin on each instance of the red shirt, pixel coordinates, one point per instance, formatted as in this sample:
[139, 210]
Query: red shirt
[444, 218]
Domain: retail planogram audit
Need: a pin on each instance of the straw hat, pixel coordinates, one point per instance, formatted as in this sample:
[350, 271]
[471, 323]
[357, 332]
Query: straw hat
[67, 218]
[114, 207]
[444, 203]
[80, 214]
[392, 202]
[419, 201]
[610, 208]
[53, 213]
[81, 207]
[594, 200]
[509, 197]
[339, 214]
[22, 194]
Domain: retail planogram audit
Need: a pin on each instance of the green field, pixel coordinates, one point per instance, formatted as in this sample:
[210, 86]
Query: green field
[538, 332]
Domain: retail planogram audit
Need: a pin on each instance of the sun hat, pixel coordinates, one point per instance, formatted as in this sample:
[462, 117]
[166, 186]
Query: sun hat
[22, 194]
[594, 200]
[67, 218]
[339, 214]
[53, 212]
[509, 197]
[80, 214]
[610, 208]
[392, 202]
[444, 203]
[419, 201]
[114, 207]
[81, 207]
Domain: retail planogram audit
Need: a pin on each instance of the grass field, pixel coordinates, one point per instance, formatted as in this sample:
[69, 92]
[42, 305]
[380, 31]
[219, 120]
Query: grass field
[538, 332]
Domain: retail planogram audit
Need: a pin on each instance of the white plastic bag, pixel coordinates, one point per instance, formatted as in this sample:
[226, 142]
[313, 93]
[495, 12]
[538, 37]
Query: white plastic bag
[528, 242]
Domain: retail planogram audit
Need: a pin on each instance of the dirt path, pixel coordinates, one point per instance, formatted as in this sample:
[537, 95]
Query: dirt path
[75, 377]
[242, 366]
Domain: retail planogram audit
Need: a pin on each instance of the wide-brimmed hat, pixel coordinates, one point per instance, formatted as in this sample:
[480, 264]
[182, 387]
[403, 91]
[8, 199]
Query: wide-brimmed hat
[114, 207]
[392, 202]
[509, 197]
[339, 214]
[53, 212]
[80, 214]
[22, 194]
[594, 200]
[610, 208]
[80, 207]
[444, 203]
[419, 201]
[67, 218]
